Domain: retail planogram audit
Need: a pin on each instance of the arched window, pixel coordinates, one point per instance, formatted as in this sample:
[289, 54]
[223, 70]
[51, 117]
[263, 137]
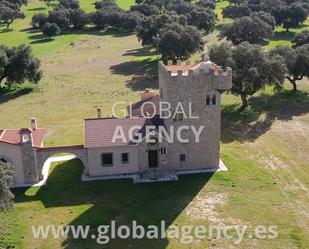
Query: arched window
[26, 138]
[163, 150]
[214, 99]
[207, 100]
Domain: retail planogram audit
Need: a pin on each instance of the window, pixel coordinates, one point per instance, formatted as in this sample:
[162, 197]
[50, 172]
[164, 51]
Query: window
[178, 117]
[107, 159]
[26, 138]
[125, 157]
[163, 150]
[153, 141]
[207, 100]
[182, 157]
[214, 99]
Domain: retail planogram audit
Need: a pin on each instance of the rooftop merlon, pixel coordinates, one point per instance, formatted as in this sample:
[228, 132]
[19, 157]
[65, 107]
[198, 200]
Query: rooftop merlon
[188, 68]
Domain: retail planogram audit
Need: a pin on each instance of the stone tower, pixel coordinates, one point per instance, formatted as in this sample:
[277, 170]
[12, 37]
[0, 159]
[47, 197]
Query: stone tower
[197, 87]
[28, 156]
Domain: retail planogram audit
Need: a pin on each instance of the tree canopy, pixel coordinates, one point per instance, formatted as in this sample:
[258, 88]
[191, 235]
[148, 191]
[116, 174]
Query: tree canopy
[149, 18]
[50, 29]
[290, 16]
[287, 13]
[18, 65]
[301, 38]
[166, 25]
[177, 41]
[254, 28]
[296, 60]
[253, 68]
[10, 10]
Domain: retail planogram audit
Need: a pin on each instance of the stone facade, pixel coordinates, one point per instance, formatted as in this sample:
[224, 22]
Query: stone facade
[31, 173]
[198, 89]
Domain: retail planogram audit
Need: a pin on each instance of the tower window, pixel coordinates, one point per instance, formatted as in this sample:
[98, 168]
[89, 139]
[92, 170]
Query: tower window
[182, 157]
[214, 99]
[26, 138]
[207, 100]
[178, 117]
[163, 150]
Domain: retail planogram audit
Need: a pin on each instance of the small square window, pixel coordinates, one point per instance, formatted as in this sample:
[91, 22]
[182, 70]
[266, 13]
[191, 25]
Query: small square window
[107, 159]
[182, 157]
[125, 157]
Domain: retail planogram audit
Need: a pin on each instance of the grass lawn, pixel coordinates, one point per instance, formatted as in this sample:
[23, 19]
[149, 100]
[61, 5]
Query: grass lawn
[266, 149]
[267, 184]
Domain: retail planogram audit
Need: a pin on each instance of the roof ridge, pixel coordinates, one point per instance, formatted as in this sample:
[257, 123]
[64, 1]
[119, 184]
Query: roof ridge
[1, 134]
[115, 118]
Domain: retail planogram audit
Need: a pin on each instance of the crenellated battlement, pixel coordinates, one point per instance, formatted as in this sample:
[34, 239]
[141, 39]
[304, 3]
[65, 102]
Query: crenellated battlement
[200, 72]
[188, 68]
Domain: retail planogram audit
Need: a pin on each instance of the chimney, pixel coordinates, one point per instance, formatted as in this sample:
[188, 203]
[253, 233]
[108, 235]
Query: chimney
[147, 95]
[34, 124]
[99, 112]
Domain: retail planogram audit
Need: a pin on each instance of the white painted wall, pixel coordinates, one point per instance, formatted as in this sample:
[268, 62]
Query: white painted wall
[13, 154]
[95, 164]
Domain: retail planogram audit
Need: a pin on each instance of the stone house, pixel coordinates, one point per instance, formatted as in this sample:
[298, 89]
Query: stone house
[18, 146]
[196, 88]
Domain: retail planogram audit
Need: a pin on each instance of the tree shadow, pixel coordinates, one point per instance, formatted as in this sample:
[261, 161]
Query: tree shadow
[6, 30]
[302, 26]
[283, 35]
[31, 30]
[44, 40]
[7, 94]
[140, 52]
[101, 32]
[248, 125]
[115, 200]
[37, 9]
[39, 36]
[144, 73]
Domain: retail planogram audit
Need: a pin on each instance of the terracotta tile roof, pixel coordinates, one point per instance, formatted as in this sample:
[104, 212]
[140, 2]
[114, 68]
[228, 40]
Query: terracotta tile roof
[12, 136]
[175, 68]
[100, 132]
[136, 108]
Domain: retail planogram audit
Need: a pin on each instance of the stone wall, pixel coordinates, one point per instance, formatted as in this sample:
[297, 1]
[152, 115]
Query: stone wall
[42, 154]
[192, 87]
[31, 172]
